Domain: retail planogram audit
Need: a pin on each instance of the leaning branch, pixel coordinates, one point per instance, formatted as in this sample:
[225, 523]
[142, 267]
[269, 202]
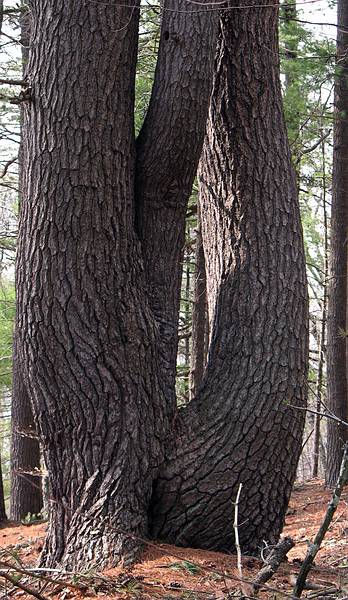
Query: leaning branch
[8, 165]
[321, 414]
[315, 546]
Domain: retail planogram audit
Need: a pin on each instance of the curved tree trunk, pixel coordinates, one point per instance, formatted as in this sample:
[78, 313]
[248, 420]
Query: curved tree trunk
[168, 151]
[88, 332]
[26, 481]
[337, 305]
[240, 428]
[98, 309]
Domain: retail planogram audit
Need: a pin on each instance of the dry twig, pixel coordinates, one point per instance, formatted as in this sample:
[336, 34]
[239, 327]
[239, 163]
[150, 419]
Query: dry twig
[272, 562]
[315, 546]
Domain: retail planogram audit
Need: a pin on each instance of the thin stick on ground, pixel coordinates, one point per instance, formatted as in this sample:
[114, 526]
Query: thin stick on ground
[236, 539]
[21, 586]
[315, 546]
[34, 574]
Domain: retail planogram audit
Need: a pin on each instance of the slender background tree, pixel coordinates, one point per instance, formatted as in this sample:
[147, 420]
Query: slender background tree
[337, 313]
[26, 480]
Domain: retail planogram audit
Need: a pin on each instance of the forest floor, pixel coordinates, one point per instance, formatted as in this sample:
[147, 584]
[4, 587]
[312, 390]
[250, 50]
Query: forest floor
[170, 573]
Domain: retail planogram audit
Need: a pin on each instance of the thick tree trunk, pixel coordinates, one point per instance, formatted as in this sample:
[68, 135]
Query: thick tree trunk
[98, 353]
[86, 336]
[241, 428]
[168, 151]
[26, 482]
[337, 306]
[102, 393]
[199, 317]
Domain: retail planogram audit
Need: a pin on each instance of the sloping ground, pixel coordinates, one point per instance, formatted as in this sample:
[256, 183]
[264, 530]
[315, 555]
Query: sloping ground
[171, 573]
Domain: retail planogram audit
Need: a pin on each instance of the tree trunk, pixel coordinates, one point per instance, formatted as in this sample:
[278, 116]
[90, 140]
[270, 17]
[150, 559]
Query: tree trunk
[168, 151]
[26, 482]
[88, 337]
[323, 327]
[240, 428]
[1, 14]
[99, 273]
[3, 516]
[199, 317]
[337, 306]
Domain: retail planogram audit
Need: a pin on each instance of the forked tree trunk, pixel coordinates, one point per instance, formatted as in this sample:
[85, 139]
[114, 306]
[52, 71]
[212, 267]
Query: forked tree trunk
[240, 428]
[26, 481]
[88, 332]
[98, 310]
[337, 306]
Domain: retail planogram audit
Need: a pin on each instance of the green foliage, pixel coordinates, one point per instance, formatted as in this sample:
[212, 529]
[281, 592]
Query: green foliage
[7, 312]
[147, 57]
[307, 67]
[185, 565]
[30, 519]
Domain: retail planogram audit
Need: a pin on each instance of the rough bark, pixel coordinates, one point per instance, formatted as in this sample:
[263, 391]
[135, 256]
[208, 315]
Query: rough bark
[26, 482]
[88, 337]
[337, 305]
[98, 311]
[240, 429]
[199, 318]
[168, 151]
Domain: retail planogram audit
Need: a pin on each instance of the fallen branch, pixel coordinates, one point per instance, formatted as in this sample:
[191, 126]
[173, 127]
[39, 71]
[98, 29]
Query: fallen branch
[12, 82]
[272, 562]
[21, 586]
[35, 575]
[315, 546]
[322, 592]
